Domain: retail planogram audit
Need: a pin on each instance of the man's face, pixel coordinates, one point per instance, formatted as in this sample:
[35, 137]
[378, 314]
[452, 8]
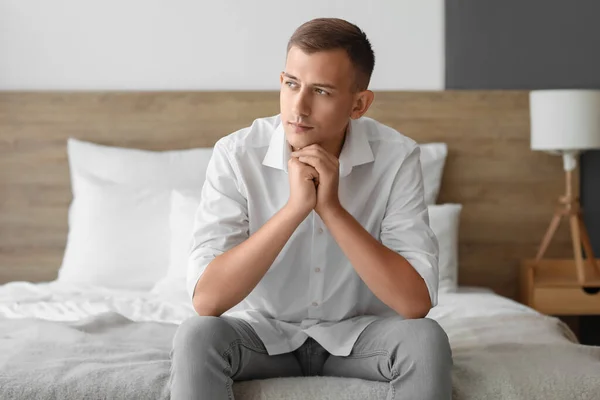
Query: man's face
[316, 97]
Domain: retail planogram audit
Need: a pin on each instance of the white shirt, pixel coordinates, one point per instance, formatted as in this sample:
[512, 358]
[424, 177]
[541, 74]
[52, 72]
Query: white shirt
[311, 289]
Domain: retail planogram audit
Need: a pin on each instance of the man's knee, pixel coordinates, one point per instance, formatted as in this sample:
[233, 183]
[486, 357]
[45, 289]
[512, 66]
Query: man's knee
[201, 333]
[430, 344]
[422, 341]
[430, 365]
[432, 333]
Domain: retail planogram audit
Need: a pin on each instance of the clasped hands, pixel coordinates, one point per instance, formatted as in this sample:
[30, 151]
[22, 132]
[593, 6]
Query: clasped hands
[314, 180]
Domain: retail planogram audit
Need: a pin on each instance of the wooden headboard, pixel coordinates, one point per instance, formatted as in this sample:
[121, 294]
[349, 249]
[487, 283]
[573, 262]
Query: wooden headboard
[508, 191]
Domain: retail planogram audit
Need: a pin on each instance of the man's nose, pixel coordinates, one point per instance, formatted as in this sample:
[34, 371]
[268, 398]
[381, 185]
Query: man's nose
[302, 104]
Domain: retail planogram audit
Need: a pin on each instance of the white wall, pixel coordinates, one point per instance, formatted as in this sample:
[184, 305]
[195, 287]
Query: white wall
[202, 45]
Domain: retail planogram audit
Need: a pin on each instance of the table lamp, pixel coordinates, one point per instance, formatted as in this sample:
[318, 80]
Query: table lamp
[567, 122]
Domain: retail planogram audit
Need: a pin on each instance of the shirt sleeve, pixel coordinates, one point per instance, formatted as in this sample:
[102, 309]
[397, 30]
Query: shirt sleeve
[405, 227]
[221, 220]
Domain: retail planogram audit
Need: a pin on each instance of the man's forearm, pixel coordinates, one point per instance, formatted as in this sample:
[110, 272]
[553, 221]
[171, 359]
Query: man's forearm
[230, 277]
[389, 276]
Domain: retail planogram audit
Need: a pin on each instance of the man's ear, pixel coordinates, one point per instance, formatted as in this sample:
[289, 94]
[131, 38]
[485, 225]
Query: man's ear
[362, 102]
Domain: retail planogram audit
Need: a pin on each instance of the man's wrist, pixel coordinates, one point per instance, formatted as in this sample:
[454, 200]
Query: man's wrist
[293, 214]
[332, 213]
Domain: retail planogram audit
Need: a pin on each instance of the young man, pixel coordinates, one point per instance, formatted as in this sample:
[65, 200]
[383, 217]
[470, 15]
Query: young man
[312, 234]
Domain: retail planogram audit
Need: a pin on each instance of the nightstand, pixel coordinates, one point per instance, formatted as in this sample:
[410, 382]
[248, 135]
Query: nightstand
[551, 288]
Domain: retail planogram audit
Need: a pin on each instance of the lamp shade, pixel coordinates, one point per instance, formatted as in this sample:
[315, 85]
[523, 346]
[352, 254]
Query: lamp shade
[565, 120]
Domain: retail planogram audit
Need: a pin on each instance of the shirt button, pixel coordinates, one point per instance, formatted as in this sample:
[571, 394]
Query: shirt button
[314, 304]
[317, 269]
[320, 230]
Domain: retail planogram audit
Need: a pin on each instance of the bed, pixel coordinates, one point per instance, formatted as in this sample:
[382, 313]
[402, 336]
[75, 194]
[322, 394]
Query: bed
[71, 342]
[67, 335]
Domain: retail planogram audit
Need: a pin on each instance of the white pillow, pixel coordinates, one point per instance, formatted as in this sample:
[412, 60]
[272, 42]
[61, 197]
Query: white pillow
[444, 220]
[433, 159]
[117, 238]
[119, 216]
[181, 221]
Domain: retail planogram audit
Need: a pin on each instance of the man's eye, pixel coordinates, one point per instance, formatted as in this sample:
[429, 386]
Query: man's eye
[321, 91]
[290, 83]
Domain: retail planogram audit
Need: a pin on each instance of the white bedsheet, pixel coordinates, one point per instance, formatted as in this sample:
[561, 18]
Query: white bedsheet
[61, 302]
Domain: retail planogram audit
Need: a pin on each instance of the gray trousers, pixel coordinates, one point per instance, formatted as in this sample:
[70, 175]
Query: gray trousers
[210, 353]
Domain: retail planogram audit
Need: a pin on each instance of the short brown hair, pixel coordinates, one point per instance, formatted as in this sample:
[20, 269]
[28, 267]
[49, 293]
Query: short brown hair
[322, 34]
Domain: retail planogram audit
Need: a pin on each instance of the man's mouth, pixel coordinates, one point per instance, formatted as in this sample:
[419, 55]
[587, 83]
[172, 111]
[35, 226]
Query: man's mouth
[299, 128]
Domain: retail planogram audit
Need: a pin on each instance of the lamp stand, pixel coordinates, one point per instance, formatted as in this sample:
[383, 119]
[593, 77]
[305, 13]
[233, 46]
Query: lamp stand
[570, 209]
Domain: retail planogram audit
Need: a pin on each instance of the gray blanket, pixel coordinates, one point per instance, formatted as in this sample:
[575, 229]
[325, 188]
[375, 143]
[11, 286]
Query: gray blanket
[111, 357]
[105, 357]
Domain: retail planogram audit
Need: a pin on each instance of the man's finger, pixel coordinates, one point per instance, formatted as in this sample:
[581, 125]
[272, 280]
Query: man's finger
[314, 153]
[322, 151]
[313, 174]
[316, 162]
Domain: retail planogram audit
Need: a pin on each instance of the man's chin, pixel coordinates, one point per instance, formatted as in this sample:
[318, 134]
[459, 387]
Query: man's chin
[298, 143]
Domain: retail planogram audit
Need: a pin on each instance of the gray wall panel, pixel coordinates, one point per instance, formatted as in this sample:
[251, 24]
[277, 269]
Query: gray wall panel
[590, 196]
[522, 44]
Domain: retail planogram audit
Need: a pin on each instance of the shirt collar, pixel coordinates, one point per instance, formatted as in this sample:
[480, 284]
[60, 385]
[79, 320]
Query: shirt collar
[279, 150]
[356, 150]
